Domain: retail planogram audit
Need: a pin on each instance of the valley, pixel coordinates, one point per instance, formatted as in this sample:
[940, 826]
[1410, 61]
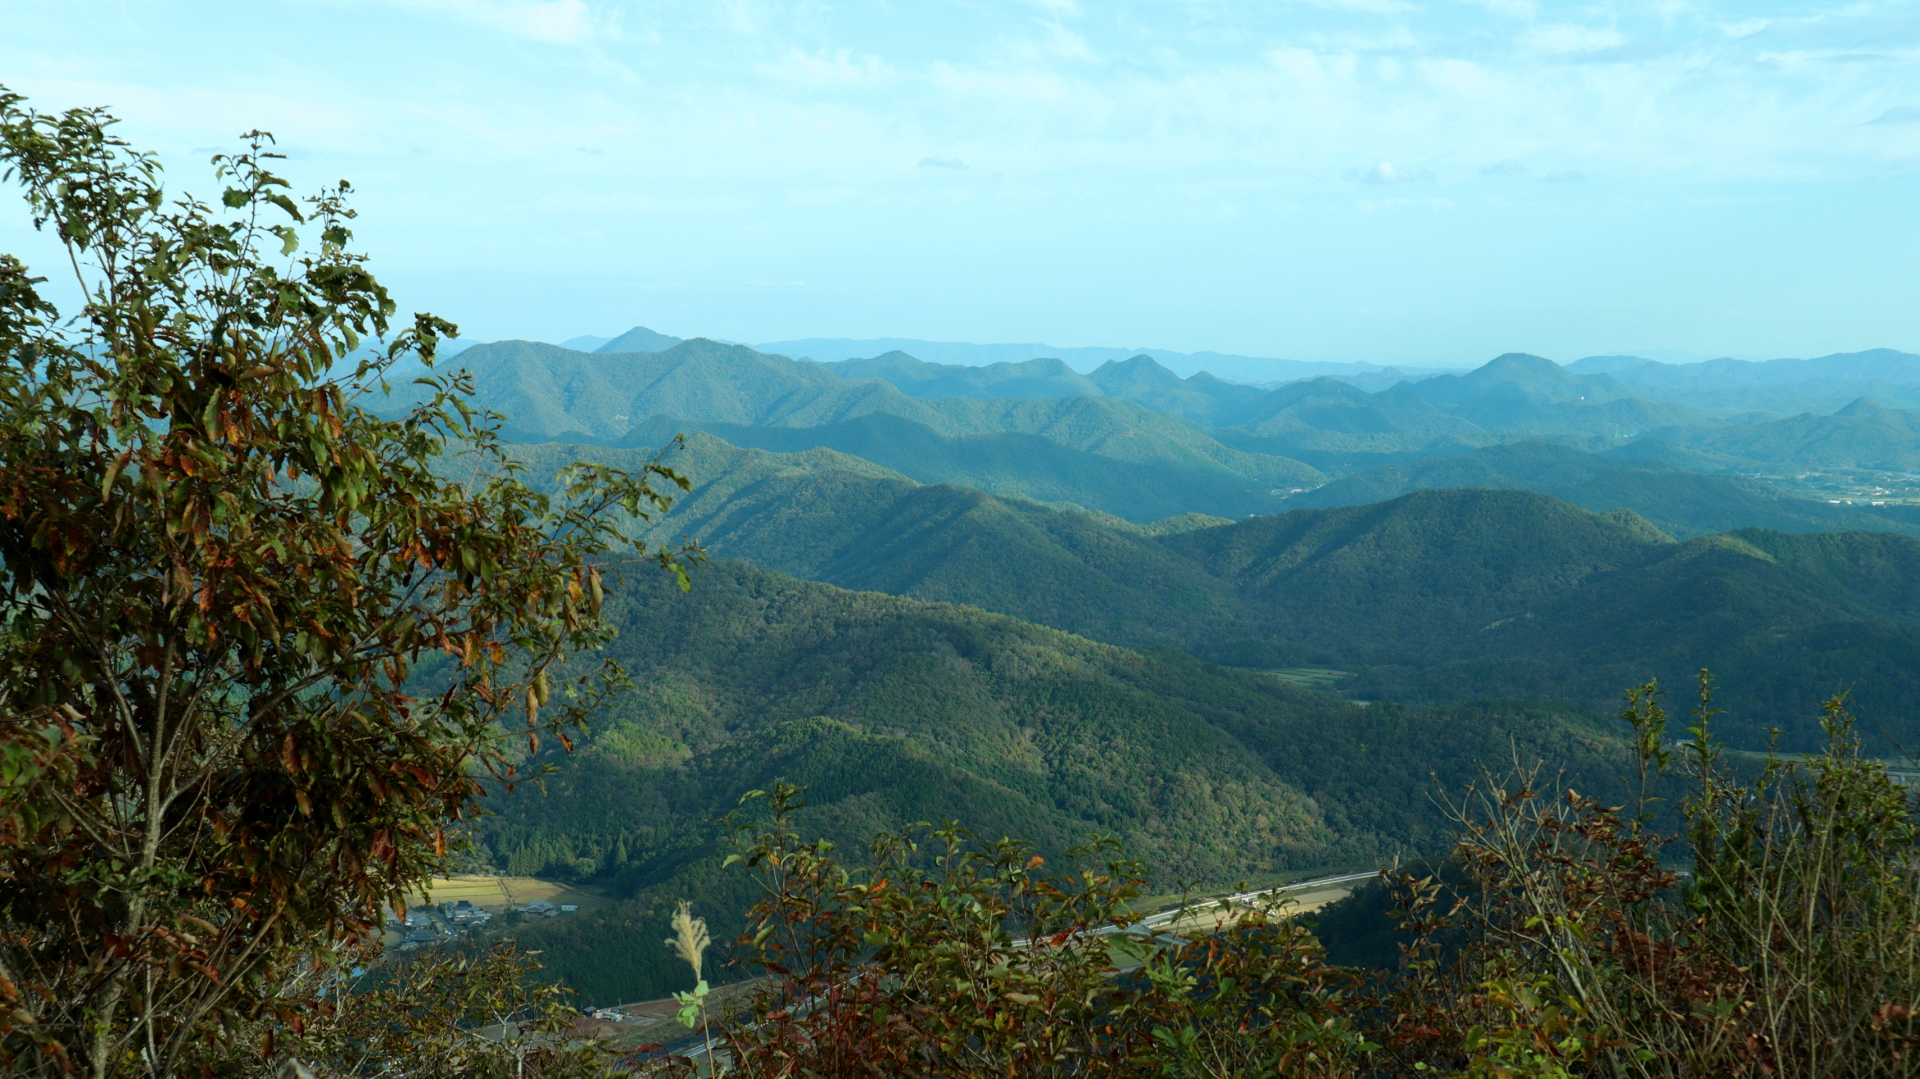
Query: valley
[1250, 632]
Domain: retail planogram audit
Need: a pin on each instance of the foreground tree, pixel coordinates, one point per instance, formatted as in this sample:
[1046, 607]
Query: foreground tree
[1565, 945]
[1789, 946]
[219, 573]
[457, 1011]
[937, 955]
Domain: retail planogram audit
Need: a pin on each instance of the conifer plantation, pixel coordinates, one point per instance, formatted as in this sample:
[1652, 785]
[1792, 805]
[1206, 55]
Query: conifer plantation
[917, 780]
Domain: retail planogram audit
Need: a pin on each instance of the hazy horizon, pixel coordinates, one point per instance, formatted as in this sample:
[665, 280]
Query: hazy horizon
[1346, 181]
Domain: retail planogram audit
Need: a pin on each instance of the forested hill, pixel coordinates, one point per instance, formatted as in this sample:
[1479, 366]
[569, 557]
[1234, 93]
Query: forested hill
[1031, 466]
[830, 517]
[1040, 429]
[1682, 503]
[891, 710]
[1080, 448]
[1438, 595]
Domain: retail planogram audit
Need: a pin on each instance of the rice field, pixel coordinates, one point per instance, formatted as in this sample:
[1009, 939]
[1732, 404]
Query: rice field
[499, 893]
[1311, 677]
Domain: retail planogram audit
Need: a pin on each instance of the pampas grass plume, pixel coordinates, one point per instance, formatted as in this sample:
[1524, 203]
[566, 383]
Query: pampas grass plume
[689, 940]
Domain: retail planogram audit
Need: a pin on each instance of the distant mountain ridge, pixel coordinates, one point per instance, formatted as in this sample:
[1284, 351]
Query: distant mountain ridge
[1680, 502]
[548, 393]
[1084, 359]
[1788, 386]
[1782, 385]
[1250, 446]
[1435, 595]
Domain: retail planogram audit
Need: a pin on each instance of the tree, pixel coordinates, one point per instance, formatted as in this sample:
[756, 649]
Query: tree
[971, 959]
[219, 573]
[471, 1012]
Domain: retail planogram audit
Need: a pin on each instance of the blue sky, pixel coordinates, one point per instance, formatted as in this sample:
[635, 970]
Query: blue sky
[1383, 180]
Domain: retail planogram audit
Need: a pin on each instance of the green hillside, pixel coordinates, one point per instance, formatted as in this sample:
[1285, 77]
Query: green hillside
[1681, 503]
[891, 710]
[1020, 465]
[1415, 579]
[1232, 446]
[1201, 398]
[1861, 435]
[826, 516]
[1121, 430]
[917, 378]
[1453, 594]
[549, 393]
[1438, 595]
[1435, 596]
[1337, 427]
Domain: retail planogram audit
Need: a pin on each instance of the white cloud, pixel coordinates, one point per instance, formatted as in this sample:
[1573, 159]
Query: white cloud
[1899, 114]
[1386, 172]
[838, 68]
[942, 161]
[1509, 167]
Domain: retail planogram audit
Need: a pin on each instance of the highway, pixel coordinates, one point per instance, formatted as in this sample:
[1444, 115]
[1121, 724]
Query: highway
[1165, 917]
[694, 1044]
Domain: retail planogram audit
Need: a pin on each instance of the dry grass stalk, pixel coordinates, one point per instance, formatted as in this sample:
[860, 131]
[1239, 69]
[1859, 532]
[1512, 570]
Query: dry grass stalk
[689, 940]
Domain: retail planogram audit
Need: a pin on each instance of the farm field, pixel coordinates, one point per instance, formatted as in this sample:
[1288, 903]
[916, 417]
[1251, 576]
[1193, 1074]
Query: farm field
[1310, 677]
[500, 893]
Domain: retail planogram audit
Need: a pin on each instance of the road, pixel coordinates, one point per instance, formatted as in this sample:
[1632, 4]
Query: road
[1165, 917]
[1168, 917]
[694, 1044]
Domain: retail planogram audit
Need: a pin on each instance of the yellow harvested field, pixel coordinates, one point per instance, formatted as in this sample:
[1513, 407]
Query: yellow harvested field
[1208, 916]
[498, 893]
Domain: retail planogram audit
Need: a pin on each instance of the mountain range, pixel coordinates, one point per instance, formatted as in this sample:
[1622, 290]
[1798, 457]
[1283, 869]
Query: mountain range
[1779, 386]
[1265, 442]
[1436, 595]
[1247, 629]
[1784, 386]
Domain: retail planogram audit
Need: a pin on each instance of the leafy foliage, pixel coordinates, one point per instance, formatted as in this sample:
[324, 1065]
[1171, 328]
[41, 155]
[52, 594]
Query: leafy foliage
[1788, 949]
[990, 965]
[1563, 946]
[216, 573]
[461, 1011]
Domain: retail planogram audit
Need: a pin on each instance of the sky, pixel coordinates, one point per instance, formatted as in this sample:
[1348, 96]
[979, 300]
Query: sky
[1391, 181]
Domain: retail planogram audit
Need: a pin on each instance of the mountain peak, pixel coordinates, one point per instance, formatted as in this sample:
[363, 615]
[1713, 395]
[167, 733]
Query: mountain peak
[1864, 406]
[640, 339]
[1142, 362]
[1139, 372]
[1525, 361]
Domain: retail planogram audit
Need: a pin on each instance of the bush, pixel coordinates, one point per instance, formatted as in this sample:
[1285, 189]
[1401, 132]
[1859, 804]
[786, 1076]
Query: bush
[1558, 942]
[1791, 946]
